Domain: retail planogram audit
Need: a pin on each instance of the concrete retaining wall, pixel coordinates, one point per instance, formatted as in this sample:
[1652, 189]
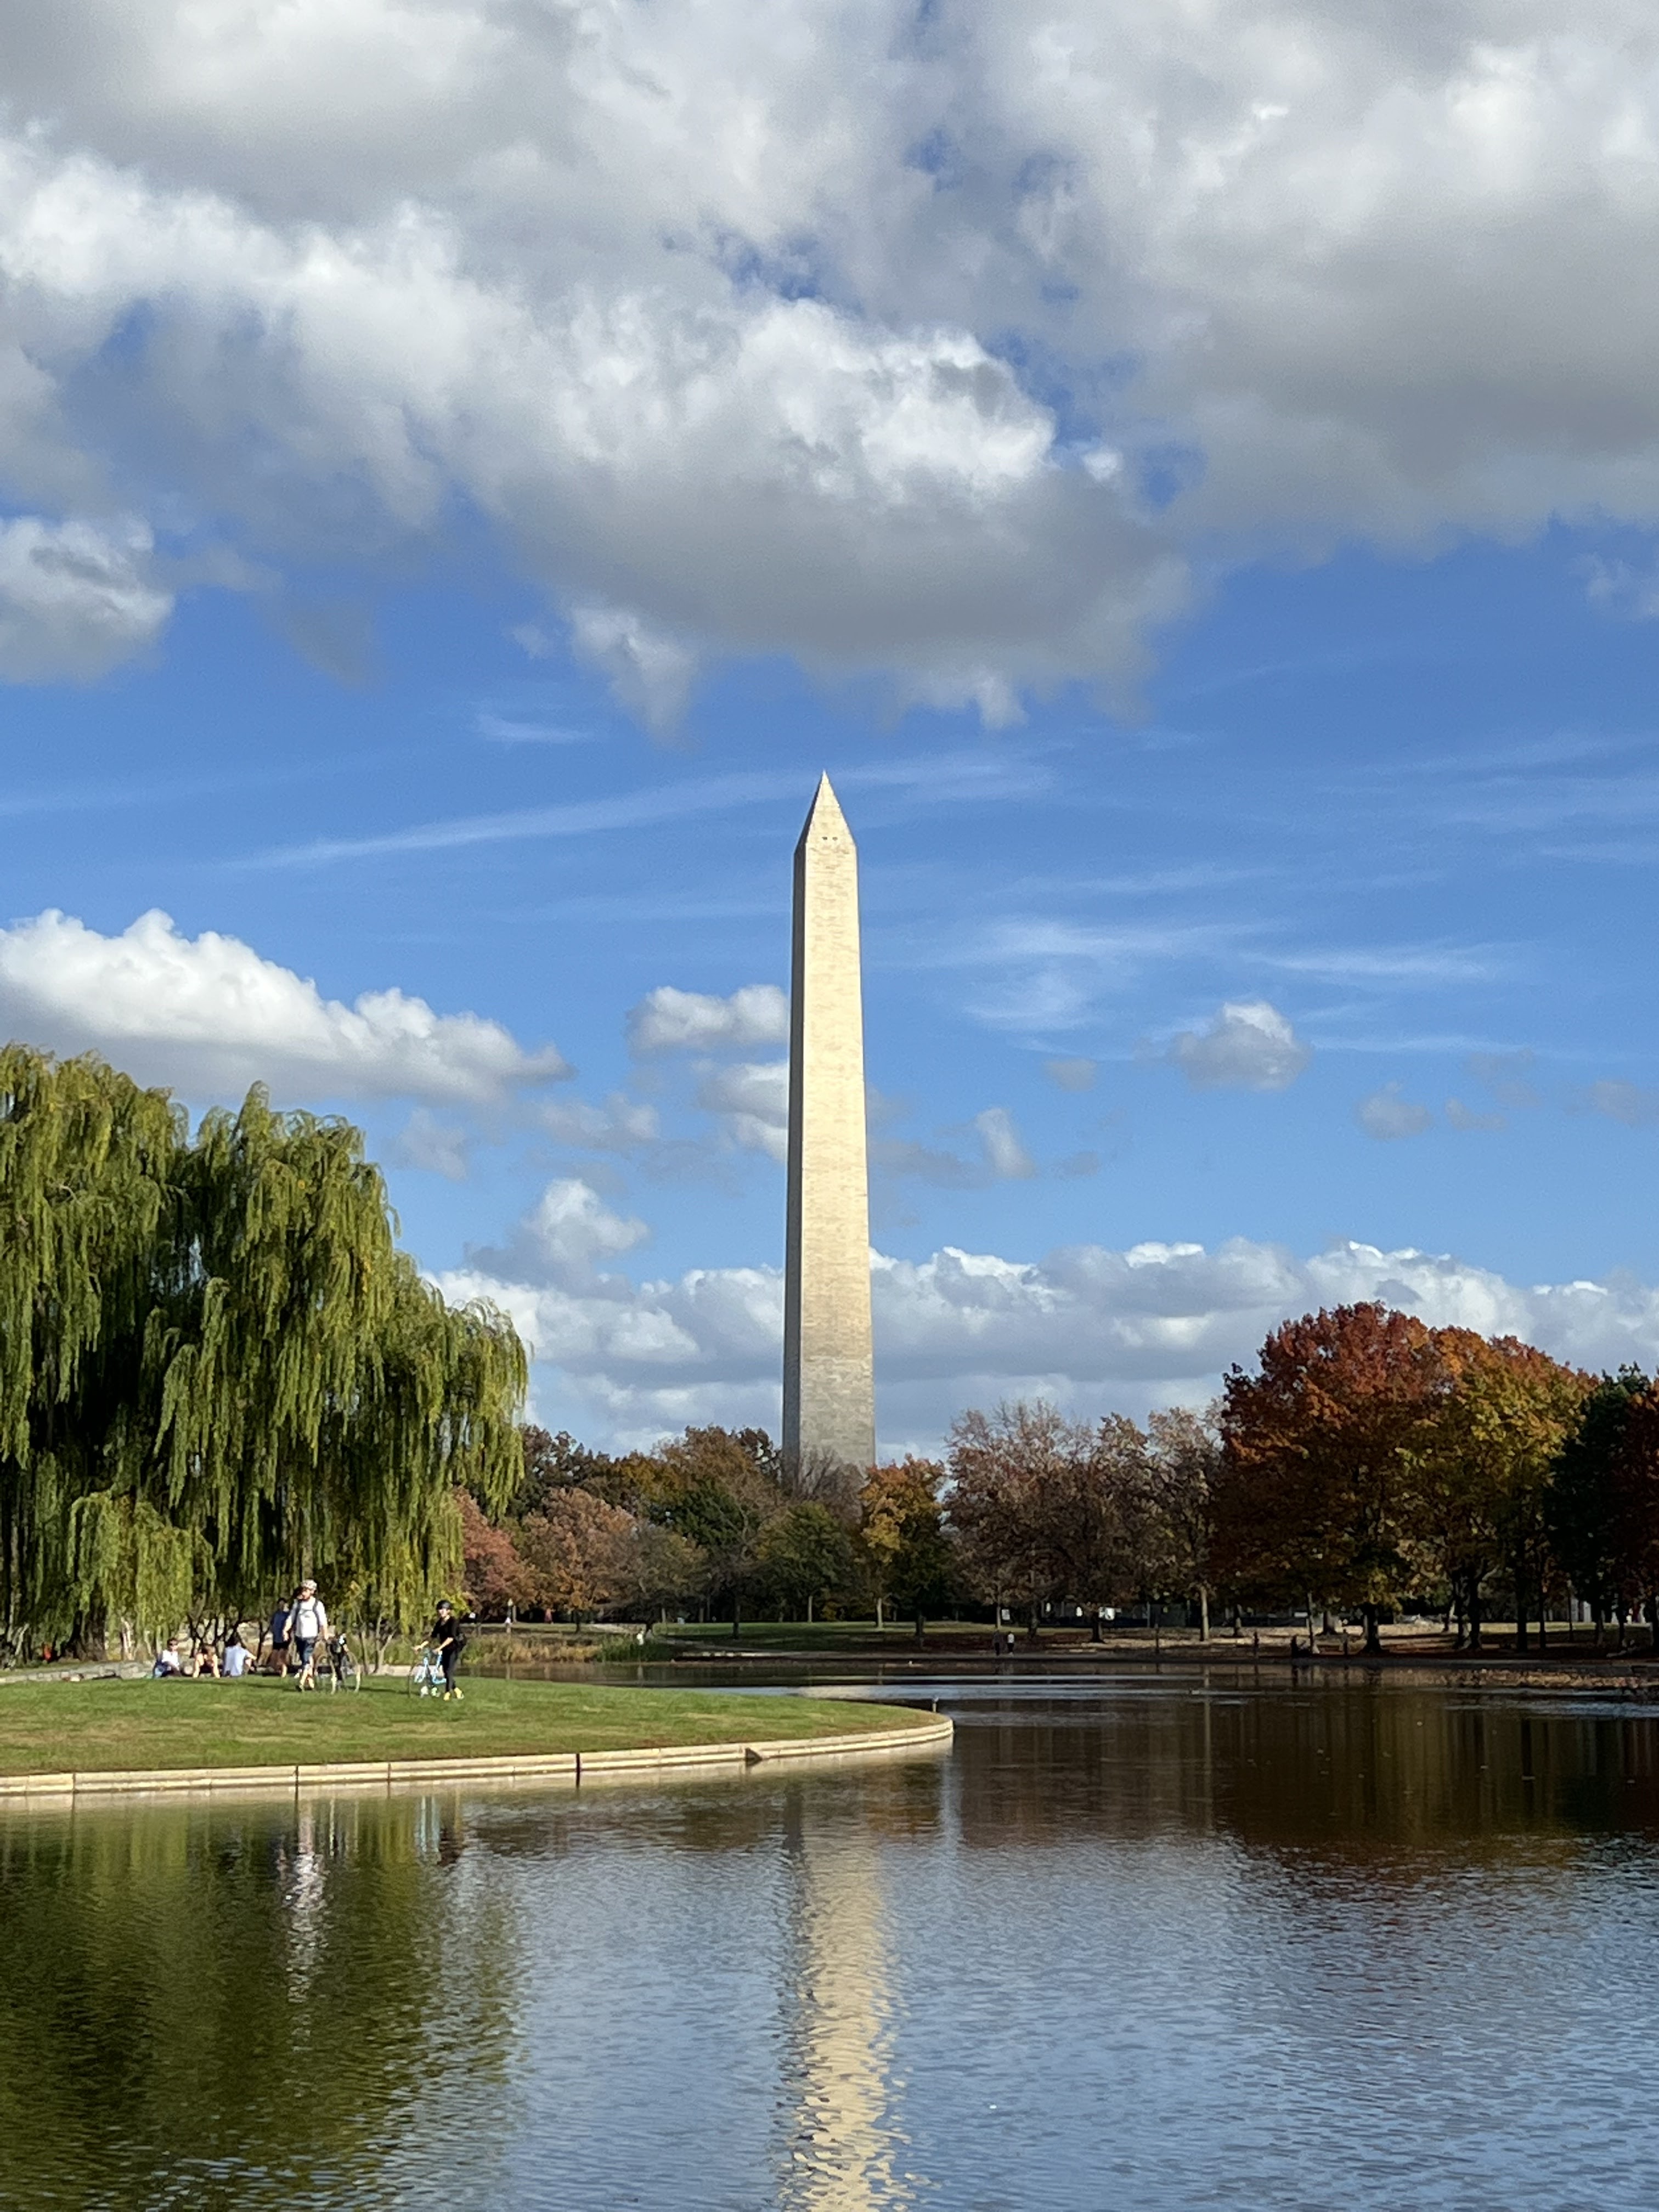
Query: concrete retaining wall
[570, 1766]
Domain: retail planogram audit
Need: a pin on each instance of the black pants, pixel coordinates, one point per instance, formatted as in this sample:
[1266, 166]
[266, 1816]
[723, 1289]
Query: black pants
[451, 1657]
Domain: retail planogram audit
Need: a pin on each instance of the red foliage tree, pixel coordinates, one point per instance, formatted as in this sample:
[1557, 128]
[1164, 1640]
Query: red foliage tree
[495, 1575]
[1314, 1494]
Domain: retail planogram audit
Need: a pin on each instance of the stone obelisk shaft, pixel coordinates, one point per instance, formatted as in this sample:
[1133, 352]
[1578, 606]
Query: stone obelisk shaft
[829, 1379]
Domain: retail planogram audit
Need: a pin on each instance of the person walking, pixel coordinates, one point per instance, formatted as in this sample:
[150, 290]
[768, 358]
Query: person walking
[309, 1624]
[448, 1640]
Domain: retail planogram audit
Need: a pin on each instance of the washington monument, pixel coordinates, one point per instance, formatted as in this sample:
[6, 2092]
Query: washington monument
[828, 1375]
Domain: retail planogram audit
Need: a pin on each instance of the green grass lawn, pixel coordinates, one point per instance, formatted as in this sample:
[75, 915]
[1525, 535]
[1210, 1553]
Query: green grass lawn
[51, 1727]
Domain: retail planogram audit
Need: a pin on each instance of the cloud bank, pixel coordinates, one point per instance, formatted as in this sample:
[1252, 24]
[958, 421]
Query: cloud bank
[938, 343]
[1096, 1329]
[207, 1017]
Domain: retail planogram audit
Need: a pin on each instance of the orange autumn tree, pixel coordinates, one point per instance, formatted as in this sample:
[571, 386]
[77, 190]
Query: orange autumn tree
[579, 1552]
[1314, 1495]
[903, 1540]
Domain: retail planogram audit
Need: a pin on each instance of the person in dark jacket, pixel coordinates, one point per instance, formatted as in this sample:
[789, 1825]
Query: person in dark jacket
[448, 1640]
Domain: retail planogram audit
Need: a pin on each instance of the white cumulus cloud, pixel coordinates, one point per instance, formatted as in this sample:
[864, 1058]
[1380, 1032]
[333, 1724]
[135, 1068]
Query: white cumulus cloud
[208, 1016]
[620, 1125]
[716, 315]
[1248, 1046]
[752, 1102]
[667, 1020]
[1096, 1328]
[567, 1229]
[76, 597]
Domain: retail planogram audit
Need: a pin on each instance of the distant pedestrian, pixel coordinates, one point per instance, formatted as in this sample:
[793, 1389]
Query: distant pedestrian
[448, 1640]
[308, 1625]
[280, 1624]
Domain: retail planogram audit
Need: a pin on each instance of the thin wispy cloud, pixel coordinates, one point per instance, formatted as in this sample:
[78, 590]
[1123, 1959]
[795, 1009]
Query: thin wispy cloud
[924, 780]
[508, 730]
[635, 809]
[1402, 964]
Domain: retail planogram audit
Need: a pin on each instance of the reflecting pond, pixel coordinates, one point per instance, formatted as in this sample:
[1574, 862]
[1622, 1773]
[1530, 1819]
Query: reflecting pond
[1133, 1940]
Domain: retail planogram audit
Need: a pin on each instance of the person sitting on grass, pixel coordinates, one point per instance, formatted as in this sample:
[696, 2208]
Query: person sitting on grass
[308, 1624]
[233, 1665]
[169, 1663]
[448, 1640]
[206, 1661]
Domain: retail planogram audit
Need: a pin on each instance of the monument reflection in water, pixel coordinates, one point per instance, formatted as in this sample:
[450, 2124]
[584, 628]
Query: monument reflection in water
[1217, 1947]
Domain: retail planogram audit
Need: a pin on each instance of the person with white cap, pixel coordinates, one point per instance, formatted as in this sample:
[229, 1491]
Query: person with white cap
[308, 1624]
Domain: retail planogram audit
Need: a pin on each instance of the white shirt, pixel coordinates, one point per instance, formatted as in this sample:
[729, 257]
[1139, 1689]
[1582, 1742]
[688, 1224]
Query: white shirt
[234, 1660]
[310, 1619]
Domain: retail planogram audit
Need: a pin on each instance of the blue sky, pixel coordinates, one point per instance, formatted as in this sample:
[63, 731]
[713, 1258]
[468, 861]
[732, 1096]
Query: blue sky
[460, 485]
[1406, 805]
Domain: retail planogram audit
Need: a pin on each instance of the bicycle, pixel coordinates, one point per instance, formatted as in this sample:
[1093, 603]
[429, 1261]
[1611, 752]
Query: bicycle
[338, 1668]
[426, 1676]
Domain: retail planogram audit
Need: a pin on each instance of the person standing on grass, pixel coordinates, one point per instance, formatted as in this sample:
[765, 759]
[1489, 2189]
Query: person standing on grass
[448, 1641]
[282, 1622]
[309, 1623]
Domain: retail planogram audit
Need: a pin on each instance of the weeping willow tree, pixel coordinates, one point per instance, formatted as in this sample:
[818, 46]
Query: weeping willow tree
[217, 1370]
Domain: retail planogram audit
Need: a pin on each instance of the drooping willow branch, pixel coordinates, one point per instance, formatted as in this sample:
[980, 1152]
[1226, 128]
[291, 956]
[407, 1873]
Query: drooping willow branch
[217, 1370]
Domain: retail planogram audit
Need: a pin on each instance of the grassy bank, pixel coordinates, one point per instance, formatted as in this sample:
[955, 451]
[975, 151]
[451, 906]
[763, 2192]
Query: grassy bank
[52, 1727]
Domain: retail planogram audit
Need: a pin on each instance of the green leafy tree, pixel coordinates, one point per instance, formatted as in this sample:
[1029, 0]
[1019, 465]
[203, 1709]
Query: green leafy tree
[661, 1568]
[1634, 1489]
[909, 1556]
[1581, 1504]
[719, 1488]
[803, 1555]
[218, 1371]
[1481, 1462]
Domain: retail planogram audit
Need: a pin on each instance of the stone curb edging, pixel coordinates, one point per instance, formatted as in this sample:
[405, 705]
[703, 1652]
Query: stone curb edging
[572, 1766]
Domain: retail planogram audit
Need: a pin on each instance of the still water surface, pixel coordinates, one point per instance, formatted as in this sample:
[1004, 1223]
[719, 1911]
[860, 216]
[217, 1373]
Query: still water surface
[1136, 1941]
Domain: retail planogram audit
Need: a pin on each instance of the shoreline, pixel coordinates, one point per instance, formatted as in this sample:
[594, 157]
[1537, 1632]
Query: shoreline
[1630, 1673]
[571, 1767]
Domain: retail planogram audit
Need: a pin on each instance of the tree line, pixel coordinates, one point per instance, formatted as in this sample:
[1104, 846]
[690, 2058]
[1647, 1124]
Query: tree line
[218, 1371]
[1365, 1463]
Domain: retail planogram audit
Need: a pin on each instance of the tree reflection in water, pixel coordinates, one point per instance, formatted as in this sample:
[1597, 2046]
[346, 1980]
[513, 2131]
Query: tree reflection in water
[1170, 1939]
[204, 1996]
